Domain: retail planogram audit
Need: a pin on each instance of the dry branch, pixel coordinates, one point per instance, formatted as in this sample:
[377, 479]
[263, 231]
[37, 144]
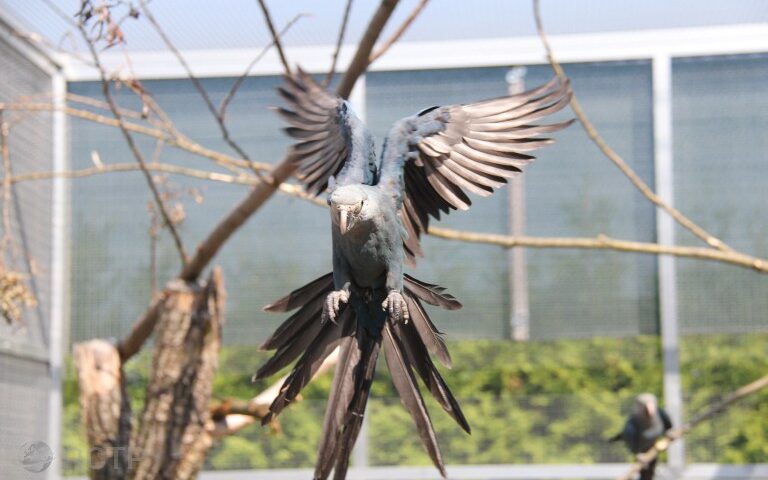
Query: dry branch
[399, 32]
[603, 242]
[600, 242]
[238, 415]
[178, 141]
[662, 444]
[360, 61]
[339, 41]
[275, 36]
[196, 83]
[614, 157]
[236, 84]
[131, 143]
[283, 170]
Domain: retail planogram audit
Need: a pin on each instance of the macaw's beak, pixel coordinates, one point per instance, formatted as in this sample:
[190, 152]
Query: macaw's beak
[650, 409]
[343, 221]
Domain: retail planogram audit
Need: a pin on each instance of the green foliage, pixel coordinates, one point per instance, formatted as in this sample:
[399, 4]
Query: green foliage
[543, 402]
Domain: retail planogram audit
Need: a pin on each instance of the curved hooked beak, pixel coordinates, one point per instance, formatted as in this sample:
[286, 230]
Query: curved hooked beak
[650, 409]
[343, 221]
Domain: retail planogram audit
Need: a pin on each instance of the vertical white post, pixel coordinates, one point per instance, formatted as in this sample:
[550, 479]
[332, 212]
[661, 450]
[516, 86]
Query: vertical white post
[517, 267]
[665, 226]
[59, 268]
[360, 453]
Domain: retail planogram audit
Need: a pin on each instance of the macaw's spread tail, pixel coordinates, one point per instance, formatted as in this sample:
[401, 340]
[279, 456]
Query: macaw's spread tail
[361, 329]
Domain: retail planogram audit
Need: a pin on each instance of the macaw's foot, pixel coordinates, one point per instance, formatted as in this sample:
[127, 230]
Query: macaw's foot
[395, 305]
[332, 305]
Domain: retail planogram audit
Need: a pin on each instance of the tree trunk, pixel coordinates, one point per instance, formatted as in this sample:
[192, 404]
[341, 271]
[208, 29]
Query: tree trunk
[173, 437]
[105, 408]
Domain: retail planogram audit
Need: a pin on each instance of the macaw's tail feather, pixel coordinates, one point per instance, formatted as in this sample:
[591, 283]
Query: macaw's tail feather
[346, 402]
[647, 473]
[361, 330]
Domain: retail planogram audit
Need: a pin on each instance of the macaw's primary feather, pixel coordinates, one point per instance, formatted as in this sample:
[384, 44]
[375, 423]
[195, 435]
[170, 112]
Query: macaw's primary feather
[430, 164]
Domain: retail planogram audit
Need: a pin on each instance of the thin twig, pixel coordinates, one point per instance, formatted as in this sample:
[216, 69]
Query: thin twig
[399, 32]
[339, 40]
[196, 83]
[181, 142]
[602, 242]
[663, 444]
[236, 84]
[132, 144]
[288, 189]
[275, 36]
[614, 157]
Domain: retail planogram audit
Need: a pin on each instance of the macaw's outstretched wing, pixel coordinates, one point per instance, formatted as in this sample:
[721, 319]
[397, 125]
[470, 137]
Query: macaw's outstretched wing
[431, 160]
[330, 139]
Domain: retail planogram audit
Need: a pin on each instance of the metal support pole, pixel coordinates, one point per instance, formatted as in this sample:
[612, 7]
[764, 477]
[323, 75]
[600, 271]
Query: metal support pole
[517, 267]
[665, 226]
[59, 269]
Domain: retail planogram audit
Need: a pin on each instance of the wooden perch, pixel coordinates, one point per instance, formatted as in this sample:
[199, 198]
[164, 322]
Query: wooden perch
[238, 415]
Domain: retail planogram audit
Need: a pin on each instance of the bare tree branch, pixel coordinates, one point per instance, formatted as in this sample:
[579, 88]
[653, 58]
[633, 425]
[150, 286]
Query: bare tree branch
[293, 190]
[180, 141]
[238, 415]
[236, 84]
[196, 83]
[614, 157]
[662, 444]
[399, 32]
[339, 40]
[602, 242]
[283, 170]
[275, 36]
[360, 61]
[131, 143]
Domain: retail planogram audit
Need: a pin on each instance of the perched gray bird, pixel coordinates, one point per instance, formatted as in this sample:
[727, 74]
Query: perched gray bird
[379, 207]
[647, 423]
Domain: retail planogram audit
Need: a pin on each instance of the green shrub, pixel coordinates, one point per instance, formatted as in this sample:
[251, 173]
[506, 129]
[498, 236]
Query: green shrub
[542, 402]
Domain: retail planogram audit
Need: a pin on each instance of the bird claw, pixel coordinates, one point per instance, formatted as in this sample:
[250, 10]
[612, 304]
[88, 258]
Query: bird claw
[332, 305]
[395, 305]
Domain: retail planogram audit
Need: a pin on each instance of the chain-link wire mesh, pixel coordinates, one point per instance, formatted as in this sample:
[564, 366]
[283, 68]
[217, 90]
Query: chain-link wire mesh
[24, 373]
[594, 316]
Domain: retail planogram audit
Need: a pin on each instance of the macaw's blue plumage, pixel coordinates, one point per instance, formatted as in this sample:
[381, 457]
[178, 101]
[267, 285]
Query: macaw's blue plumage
[379, 207]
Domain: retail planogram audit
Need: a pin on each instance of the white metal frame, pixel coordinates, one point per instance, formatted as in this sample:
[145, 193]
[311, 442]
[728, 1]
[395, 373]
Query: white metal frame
[657, 46]
[596, 47]
[54, 357]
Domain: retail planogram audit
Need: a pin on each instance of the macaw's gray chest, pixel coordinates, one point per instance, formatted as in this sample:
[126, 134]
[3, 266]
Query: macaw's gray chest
[369, 251]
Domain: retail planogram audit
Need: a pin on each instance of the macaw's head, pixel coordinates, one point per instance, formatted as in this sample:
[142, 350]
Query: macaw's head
[349, 205]
[646, 405]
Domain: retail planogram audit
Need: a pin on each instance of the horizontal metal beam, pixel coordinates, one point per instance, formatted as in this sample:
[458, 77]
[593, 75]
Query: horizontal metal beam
[593, 47]
[505, 472]
[696, 471]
